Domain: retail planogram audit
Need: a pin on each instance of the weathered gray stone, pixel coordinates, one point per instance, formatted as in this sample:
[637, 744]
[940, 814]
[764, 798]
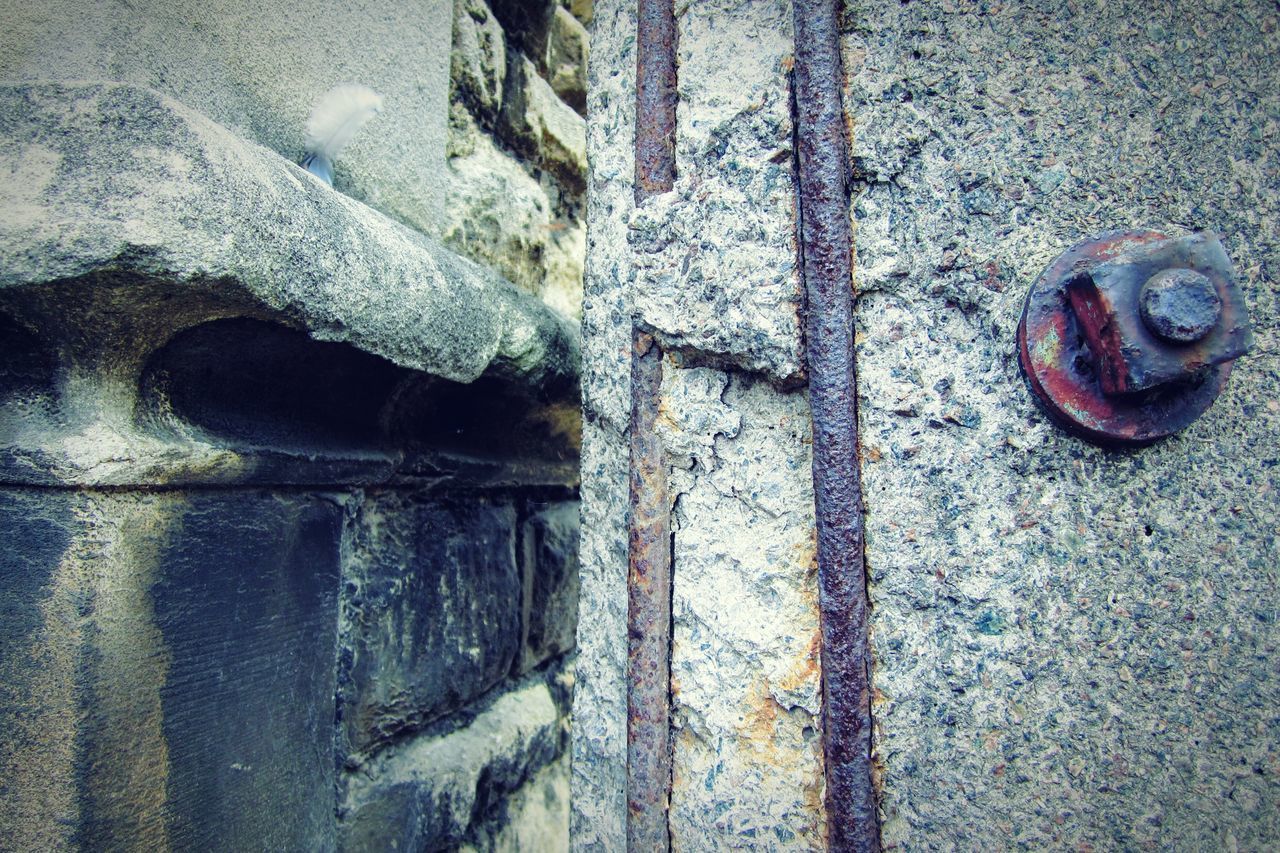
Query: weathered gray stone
[430, 614]
[567, 53]
[536, 817]
[479, 65]
[549, 566]
[111, 177]
[426, 793]
[245, 598]
[537, 124]
[583, 10]
[499, 215]
[1075, 648]
[167, 669]
[528, 23]
[40, 641]
[258, 69]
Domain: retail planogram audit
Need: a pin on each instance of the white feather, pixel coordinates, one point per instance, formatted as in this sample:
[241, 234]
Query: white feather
[337, 116]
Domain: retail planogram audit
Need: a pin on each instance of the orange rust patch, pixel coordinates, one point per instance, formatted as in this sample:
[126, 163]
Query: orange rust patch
[807, 668]
[758, 729]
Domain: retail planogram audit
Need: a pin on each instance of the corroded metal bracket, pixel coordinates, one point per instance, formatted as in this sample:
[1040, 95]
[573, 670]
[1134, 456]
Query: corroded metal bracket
[1129, 337]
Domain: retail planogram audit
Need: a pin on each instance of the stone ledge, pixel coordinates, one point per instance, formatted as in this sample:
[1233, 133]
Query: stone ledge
[107, 177]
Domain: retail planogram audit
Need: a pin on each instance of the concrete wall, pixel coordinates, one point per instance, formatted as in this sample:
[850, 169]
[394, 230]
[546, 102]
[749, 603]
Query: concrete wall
[1073, 647]
[711, 269]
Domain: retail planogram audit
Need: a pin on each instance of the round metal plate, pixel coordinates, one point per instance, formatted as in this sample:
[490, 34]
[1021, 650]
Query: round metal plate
[1059, 369]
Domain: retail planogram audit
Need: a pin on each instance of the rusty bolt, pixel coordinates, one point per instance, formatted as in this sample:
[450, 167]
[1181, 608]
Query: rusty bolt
[1129, 336]
[1180, 305]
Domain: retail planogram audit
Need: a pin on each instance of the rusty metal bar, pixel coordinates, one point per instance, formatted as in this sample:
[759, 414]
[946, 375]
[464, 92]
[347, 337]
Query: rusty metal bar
[648, 612]
[826, 257]
[649, 541]
[655, 97]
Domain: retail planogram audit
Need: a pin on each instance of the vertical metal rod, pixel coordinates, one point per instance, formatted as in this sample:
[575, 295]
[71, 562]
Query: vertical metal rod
[648, 613]
[826, 256]
[655, 97]
[649, 541]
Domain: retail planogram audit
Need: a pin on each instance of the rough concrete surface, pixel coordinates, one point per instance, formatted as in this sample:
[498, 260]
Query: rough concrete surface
[112, 177]
[711, 269]
[598, 819]
[716, 258]
[744, 660]
[1075, 648]
[258, 69]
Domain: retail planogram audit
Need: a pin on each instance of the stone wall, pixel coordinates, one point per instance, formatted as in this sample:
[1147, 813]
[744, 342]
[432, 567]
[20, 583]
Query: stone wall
[290, 486]
[517, 144]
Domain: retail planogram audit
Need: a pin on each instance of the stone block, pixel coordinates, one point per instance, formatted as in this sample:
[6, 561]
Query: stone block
[39, 650]
[426, 793]
[118, 178]
[549, 565]
[537, 124]
[536, 817]
[567, 52]
[246, 601]
[527, 23]
[430, 614]
[479, 63]
[258, 68]
[167, 669]
[583, 10]
[499, 215]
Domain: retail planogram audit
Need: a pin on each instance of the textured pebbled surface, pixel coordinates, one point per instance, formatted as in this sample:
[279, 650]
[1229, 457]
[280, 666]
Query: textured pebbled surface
[1075, 648]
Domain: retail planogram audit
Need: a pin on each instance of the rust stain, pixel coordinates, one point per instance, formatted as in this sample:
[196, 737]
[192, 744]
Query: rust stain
[655, 169]
[1070, 354]
[759, 729]
[807, 668]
